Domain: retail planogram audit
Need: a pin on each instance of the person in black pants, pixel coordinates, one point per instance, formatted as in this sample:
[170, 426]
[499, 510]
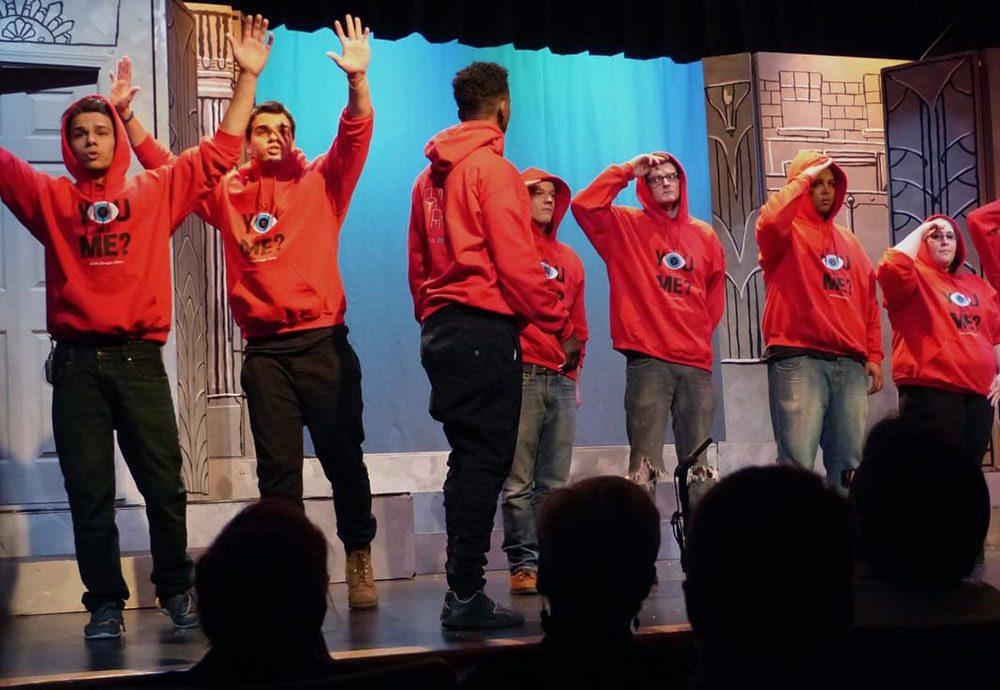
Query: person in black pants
[108, 307]
[946, 335]
[475, 275]
[280, 216]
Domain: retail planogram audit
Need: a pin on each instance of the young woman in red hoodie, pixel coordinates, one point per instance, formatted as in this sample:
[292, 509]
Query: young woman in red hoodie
[108, 294]
[946, 334]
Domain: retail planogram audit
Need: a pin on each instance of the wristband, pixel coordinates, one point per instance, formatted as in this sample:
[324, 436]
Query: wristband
[128, 119]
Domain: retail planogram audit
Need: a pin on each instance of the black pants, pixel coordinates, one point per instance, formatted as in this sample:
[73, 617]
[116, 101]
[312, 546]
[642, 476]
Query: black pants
[319, 388]
[965, 418]
[124, 388]
[473, 361]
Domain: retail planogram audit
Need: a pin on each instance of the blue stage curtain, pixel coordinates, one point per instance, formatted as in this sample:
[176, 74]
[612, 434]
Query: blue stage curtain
[572, 115]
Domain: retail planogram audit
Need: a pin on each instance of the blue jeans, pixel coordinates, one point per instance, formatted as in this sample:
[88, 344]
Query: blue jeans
[655, 392]
[541, 461]
[819, 403]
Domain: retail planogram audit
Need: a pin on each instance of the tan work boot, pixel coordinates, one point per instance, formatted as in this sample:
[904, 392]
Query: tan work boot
[524, 581]
[361, 591]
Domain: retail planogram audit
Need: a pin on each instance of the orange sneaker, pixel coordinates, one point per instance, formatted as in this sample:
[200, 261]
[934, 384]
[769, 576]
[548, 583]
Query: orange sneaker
[524, 581]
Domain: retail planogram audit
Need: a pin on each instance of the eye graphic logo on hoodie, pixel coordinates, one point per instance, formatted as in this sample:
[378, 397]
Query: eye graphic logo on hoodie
[553, 272]
[961, 299]
[265, 246]
[263, 222]
[102, 212]
[556, 273]
[967, 320]
[680, 267]
[836, 282]
[834, 262]
[97, 219]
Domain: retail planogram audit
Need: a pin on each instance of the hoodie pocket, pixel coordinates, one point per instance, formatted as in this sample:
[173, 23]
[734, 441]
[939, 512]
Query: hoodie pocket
[954, 359]
[111, 302]
[274, 296]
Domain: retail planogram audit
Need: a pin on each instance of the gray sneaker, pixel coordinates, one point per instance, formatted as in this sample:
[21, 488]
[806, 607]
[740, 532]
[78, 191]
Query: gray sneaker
[181, 610]
[106, 623]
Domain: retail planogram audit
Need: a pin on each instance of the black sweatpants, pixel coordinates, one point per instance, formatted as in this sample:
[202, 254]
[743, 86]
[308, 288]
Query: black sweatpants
[966, 418]
[473, 361]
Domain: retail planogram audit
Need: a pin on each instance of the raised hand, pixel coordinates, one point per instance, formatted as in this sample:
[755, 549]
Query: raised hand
[355, 47]
[254, 46]
[122, 92]
[924, 229]
[814, 170]
[644, 162]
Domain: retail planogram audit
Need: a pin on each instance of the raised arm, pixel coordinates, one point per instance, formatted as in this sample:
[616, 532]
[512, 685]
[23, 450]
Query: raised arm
[984, 227]
[151, 153]
[592, 206]
[897, 272]
[774, 225]
[356, 54]
[250, 50]
[198, 170]
[21, 189]
[343, 163]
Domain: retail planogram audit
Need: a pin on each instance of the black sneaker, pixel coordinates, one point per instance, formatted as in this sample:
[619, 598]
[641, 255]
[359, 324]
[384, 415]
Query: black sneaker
[181, 610]
[478, 612]
[106, 623]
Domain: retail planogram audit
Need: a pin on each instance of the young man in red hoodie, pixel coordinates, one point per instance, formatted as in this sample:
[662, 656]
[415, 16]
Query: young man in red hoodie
[476, 276]
[946, 334]
[821, 320]
[548, 396]
[667, 274]
[280, 217]
[108, 291]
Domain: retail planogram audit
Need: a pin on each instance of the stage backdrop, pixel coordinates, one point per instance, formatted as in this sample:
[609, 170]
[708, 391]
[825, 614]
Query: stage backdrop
[572, 115]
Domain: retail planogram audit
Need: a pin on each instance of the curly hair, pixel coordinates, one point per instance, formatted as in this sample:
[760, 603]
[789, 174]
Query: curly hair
[479, 86]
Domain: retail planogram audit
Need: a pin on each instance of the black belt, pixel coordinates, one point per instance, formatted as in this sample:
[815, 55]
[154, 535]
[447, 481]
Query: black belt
[539, 370]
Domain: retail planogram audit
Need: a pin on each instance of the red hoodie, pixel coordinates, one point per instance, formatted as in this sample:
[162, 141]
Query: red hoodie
[281, 232]
[470, 236]
[564, 271]
[819, 284]
[107, 245]
[945, 322]
[667, 274]
[984, 224]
